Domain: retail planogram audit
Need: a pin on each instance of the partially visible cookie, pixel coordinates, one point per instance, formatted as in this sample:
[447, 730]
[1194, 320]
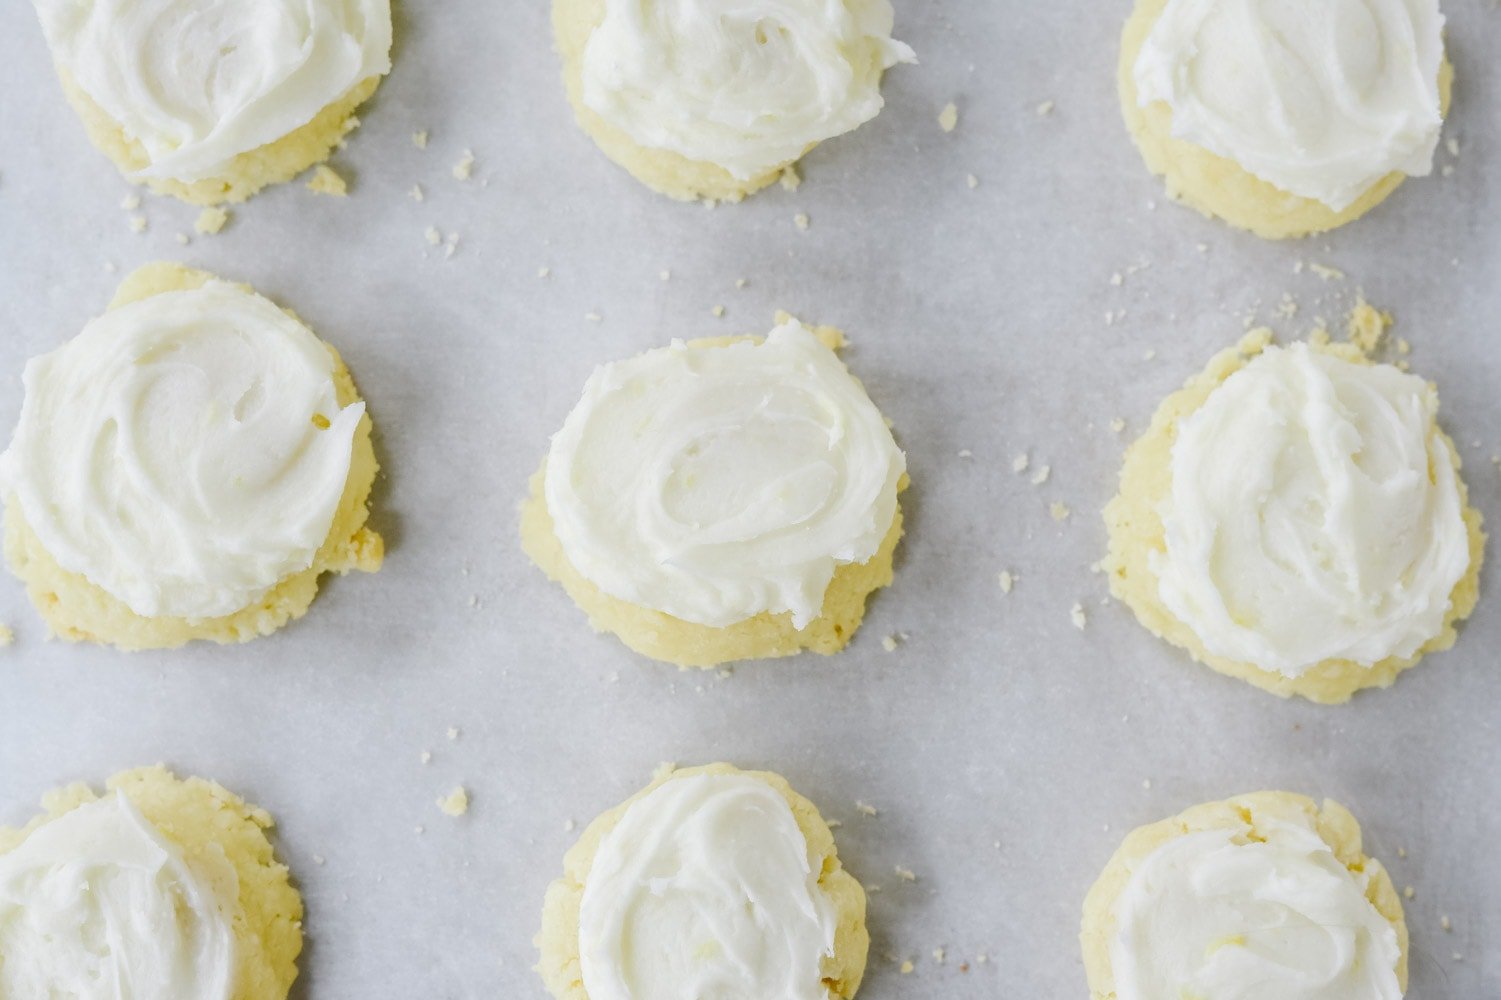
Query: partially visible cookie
[705, 101]
[221, 465]
[710, 880]
[1267, 891]
[1295, 517]
[721, 500]
[1284, 119]
[167, 884]
[245, 95]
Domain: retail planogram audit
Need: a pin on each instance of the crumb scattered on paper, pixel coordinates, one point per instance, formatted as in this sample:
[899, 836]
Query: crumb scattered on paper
[801, 221]
[464, 169]
[455, 803]
[1007, 581]
[211, 220]
[326, 181]
[948, 118]
[791, 179]
[1077, 616]
[419, 139]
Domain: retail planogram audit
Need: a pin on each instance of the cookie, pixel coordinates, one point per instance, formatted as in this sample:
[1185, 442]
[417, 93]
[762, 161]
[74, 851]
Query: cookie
[223, 464]
[164, 882]
[1296, 123]
[1267, 889]
[246, 96]
[705, 102]
[721, 500]
[708, 876]
[1295, 517]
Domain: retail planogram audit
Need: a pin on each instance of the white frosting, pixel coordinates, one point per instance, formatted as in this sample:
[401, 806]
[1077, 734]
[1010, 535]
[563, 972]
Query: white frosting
[185, 452]
[1217, 915]
[717, 483]
[1321, 99]
[98, 905]
[1314, 515]
[706, 888]
[745, 84]
[198, 82]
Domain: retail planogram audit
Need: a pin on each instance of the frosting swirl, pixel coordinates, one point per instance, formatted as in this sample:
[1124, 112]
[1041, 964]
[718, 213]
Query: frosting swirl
[185, 452]
[745, 84]
[1319, 99]
[705, 888]
[717, 483]
[1269, 914]
[1314, 514]
[98, 905]
[198, 82]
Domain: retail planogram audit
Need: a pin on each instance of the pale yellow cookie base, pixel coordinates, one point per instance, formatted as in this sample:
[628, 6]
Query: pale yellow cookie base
[663, 171]
[79, 611]
[688, 644]
[1136, 532]
[1334, 824]
[1219, 187]
[272, 163]
[558, 940]
[203, 819]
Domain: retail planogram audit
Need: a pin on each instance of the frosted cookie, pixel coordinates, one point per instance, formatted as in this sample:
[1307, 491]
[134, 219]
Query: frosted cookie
[701, 99]
[186, 468]
[709, 882]
[721, 499]
[213, 101]
[1263, 897]
[1295, 517]
[1285, 118]
[164, 889]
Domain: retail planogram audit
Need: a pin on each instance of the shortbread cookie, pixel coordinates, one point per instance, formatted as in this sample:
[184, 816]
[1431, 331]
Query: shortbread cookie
[1261, 896]
[211, 102]
[710, 881]
[186, 468]
[721, 500]
[1295, 517]
[707, 101]
[167, 886]
[1285, 119]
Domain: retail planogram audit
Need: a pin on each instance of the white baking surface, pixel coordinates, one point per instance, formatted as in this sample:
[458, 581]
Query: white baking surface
[1006, 751]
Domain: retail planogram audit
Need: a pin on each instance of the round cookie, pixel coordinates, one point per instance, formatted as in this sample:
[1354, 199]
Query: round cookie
[209, 826]
[671, 639]
[79, 610]
[1251, 820]
[558, 941]
[317, 69]
[1138, 537]
[1217, 186]
[660, 168]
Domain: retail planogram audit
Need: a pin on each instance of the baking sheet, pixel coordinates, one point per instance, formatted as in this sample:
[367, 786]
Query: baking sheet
[1006, 751]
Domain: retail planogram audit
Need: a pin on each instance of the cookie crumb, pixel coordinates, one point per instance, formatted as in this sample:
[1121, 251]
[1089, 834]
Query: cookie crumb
[889, 643]
[905, 874]
[1409, 892]
[1367, 326]
[865, 809]
[455, 803]
[906, 967]
[1007, 581]
[1325, 272]
[319, 859]
[1041, 475]
[802, 221]
[464, 169]
[1045, 108]
[972, 181]
[939, 955]
[1076, 615]
[718, 312]
[948, 118]
[138, 223]
[416, 193]
[211, 221]
[1059, 510]
[791, 179]
[326, 181]
[453, 732]
[1020, 463]
[1117, 425]
[1445, 923]
[594, 317]
[419, 139]
[426, 756]
[7, 636]
[131, 202]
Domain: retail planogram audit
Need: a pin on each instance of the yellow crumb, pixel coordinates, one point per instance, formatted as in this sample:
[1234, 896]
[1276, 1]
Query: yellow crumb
[455, 803]
[1368, 325]
[7, 635]
[948, 118]
[791, 179]
[464, 169]
[326, 181]
[211, 220]
[419, 139]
